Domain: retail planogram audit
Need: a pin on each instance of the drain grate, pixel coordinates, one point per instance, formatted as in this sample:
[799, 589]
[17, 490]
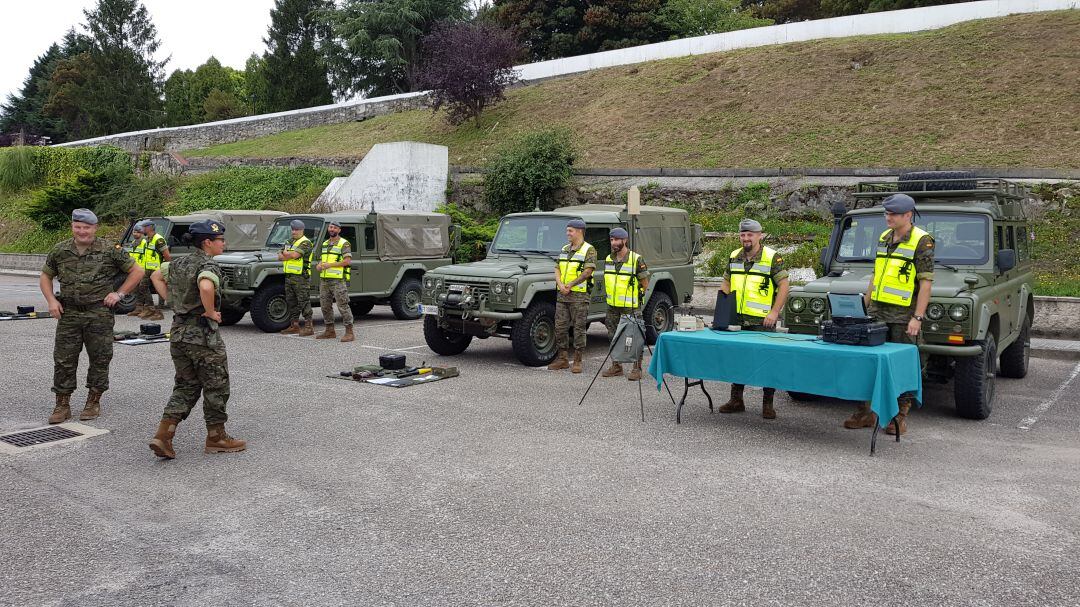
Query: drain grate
[29, 438]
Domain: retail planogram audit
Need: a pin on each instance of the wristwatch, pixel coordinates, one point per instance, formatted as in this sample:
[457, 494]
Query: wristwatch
[918, 317]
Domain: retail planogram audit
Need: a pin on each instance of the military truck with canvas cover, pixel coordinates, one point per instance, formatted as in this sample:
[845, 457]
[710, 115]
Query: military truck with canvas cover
[511, 293]
[978, 321]
[245, 230]
[391, 252]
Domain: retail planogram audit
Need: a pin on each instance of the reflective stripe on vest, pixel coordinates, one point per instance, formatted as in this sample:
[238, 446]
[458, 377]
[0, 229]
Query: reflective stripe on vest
[151, 258]
[894, 273]
[621, 283]
[333, 254]
[570, 267]
[755, 286]
[137, 252]
[298, 265]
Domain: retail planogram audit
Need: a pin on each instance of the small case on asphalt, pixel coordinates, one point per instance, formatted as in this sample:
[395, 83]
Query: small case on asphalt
[392, 362]
[150, 328]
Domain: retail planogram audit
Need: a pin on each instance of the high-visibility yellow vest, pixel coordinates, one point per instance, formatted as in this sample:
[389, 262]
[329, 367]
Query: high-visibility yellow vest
[333, 253]
[570, 267]
[297, 265]
[151, 259]
[621, 283]
[894, 273]
[754, 287]
[138, 250]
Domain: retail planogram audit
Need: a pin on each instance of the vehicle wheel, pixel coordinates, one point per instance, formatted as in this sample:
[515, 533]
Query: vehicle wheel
[1014, 359]
[127, 302]
[361, 307]
[442, 341]
[231, 316]
[405, 300]
[533, 335]
[927, 181]
[973, 385]
[803, 397]
[657, 316]
[269, 310]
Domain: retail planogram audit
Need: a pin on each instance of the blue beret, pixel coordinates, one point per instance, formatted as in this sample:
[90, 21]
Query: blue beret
[207, 227]
[296, 224]
[334, 222]
[899, 203]
[618, 233]
[749, 225]
[576, 223]
[84, 216]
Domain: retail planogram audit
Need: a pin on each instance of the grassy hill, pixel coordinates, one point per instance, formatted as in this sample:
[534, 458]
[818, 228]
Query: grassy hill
[999, 92]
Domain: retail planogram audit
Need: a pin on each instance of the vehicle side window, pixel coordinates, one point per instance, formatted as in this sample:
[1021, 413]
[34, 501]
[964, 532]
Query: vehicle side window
[349, 233]
[1010, 242]
[598, 237]
[369, 238]
[998, 238]
[1022, 243]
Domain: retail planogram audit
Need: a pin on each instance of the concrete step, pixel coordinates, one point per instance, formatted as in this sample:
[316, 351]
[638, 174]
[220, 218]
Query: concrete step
[1065, 349]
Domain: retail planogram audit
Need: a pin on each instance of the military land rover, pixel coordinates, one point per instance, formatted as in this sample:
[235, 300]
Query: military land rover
[511, 293]
[978, 322]
[391, 253]
[245, 230]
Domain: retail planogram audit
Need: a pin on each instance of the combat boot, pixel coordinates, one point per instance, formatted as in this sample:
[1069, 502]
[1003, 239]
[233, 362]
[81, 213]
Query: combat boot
[92, 409]
[348, 334]
[161, 444]
[863, 417]
[614, 370]
[62, 411]
[560, 362]
[137, 311]
[576, 368]
[767, 411]
[218, 441]
[635, 373]
[308, 329]
[901, 418]
[292, 329]
[735, 403]
[328, 333]
[155, 314]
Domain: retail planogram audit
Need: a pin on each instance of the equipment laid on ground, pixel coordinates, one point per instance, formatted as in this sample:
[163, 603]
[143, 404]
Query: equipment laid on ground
[150, 328]
[24, 309]
[132, 338]
[22, 313]
[850, 325]
[397, 375]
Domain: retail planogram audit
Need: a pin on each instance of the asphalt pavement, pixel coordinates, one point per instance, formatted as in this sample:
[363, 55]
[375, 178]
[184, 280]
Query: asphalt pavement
[495, 488]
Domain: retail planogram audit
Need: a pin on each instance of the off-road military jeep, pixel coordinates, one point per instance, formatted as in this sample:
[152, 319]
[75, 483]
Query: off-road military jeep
[511, 293]
[245, 230]
[391, 251]
[978, 322]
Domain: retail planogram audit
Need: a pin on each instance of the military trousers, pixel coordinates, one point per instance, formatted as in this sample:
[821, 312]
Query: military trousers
[331, 291]
[144, 291]
[571, 314]
[898, 334]
[298, 296]
[90, 327]
[200, 370]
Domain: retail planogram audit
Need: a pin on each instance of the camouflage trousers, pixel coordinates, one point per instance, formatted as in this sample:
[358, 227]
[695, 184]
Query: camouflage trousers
[331, 291]
[92, 328]
[298, 296]
[571, 314]
[144, 291]
[898, 334]
[199, 370]
[614, 314]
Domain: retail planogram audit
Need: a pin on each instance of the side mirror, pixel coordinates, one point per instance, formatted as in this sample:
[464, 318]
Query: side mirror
[1006, 260]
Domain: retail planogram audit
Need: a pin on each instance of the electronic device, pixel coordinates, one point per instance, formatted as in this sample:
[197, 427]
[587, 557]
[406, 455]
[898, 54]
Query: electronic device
[725, 317]
[850, 324]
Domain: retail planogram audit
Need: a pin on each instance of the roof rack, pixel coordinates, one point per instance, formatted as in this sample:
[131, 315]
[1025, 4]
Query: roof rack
[943, 187]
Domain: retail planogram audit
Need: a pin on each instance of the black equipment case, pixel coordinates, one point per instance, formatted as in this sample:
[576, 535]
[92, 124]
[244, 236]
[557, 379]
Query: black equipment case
[843, 331]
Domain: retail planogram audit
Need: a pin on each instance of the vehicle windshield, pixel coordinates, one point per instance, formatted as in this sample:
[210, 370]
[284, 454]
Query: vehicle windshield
[959, 238]
[161, 226]
[543, 235]
[282, 232]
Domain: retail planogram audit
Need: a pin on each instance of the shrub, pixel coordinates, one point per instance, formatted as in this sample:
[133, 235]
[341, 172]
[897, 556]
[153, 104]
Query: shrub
[248, 188]
[142, 197]
[528, 170]
[17, 170]
[51, 206]
[476, 232]
[56, 166]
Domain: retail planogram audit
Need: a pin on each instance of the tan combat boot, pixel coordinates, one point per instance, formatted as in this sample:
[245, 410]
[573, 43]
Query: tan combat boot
[901, 418]
[92, 408]
[863, 417]
[308, 329]
[560, 362]
[292, 329]
[735, 403]
[62, 411]
[576, 368]
[218, 441]
[348, 334]
[328, 332]
[138, 311]
[154, 314]
[767, 410]
[614, 370]
[145, 312]
[161, 444]
[635, 373]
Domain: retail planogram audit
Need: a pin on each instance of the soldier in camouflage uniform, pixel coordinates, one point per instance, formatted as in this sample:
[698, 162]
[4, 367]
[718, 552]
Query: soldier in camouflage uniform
[757, 276]
[897, 298]
[191, 285]
[573, 276]
[296, 259]
[623, 288]
[334, 276]
[85, 266]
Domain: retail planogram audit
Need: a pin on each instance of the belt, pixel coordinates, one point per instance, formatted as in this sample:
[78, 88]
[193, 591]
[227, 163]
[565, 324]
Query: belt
[82, 307]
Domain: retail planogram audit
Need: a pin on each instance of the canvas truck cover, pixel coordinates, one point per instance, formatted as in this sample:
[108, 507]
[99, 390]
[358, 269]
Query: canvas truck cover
[245, 230]
[412, 235]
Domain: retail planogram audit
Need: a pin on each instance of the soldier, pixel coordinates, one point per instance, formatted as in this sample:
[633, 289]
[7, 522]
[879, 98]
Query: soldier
[155, 250]
[757, 276]
[142, 293]
[85, 267]
[573, 276]
[895, 296]
[334, 278]
[197, 348]
[626, 278]
[296, 258]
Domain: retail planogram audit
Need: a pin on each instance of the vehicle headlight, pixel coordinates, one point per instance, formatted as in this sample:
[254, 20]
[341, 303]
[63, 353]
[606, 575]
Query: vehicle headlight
[498, 288]
[958, 312]
[509, 288]
[429, 283]
[935, 311]
[817, 306]
[798, 304]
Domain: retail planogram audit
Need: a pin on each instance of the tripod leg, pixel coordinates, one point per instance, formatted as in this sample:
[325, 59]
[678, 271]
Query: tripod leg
[641, 400]
[594, 378]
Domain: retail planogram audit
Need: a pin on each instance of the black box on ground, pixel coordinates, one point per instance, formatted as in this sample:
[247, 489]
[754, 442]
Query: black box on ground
[392, 362]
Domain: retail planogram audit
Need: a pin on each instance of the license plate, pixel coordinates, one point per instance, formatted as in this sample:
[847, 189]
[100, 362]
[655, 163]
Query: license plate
[432, 310]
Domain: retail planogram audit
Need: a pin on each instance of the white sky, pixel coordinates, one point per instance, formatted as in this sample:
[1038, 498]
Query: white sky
[189, 30]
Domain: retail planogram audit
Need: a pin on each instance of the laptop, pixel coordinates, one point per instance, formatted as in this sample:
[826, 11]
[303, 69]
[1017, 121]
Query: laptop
[724, 314]
[848, 308]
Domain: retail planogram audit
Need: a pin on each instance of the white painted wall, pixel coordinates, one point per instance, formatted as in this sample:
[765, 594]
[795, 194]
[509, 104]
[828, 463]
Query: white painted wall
[404, 175]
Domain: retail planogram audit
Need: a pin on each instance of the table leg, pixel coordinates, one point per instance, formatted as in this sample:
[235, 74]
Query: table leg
[702, 384]
[896, 423]
[682, 401]
[873, 440]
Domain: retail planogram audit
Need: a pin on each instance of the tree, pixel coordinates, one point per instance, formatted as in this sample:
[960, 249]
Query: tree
[377, 42]
[686, 18]
[528, 169]
[614, 24]
[24, 111]
[545, 30]
[256, 86]
[295, 65]
[467, 66]
[221, 105]
[178, 99]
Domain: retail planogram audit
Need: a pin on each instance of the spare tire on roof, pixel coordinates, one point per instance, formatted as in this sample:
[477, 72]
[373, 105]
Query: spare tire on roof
[935, 181]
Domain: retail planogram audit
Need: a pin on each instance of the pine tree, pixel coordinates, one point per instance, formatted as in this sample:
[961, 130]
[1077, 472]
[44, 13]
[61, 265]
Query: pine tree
[24, 111]
[295, 62]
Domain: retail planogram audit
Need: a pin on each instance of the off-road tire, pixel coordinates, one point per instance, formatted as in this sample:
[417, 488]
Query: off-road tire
[929, 181]
[441, 341]
[659, 303]
[361, 307]
[533, 335]
[127, 302]
[405, 300]
[231, 316]
[1014, 359]
[973, 384]
[269, 310]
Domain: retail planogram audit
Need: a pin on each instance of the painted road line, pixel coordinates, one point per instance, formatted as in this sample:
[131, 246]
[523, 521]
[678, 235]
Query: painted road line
[1029, 421]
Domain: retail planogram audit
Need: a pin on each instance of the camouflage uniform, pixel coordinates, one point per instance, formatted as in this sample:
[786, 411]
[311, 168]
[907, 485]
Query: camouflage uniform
[573, 309]
[298, 287]
[614, 313]
[196, 346]
[85, 279]
[333, 290]
[897, 317]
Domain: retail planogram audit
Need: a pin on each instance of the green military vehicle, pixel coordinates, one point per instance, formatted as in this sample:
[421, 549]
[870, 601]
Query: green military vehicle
[978, 322]
[245, 230]
[511, 293]
[391, 251]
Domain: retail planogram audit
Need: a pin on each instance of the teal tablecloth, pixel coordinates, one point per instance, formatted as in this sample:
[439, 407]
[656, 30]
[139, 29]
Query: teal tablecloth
[799, 363]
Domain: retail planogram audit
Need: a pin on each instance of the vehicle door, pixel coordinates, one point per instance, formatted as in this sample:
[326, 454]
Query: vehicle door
[598, 237]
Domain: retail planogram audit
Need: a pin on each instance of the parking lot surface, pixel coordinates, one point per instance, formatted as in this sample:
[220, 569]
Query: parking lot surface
[496, 488]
